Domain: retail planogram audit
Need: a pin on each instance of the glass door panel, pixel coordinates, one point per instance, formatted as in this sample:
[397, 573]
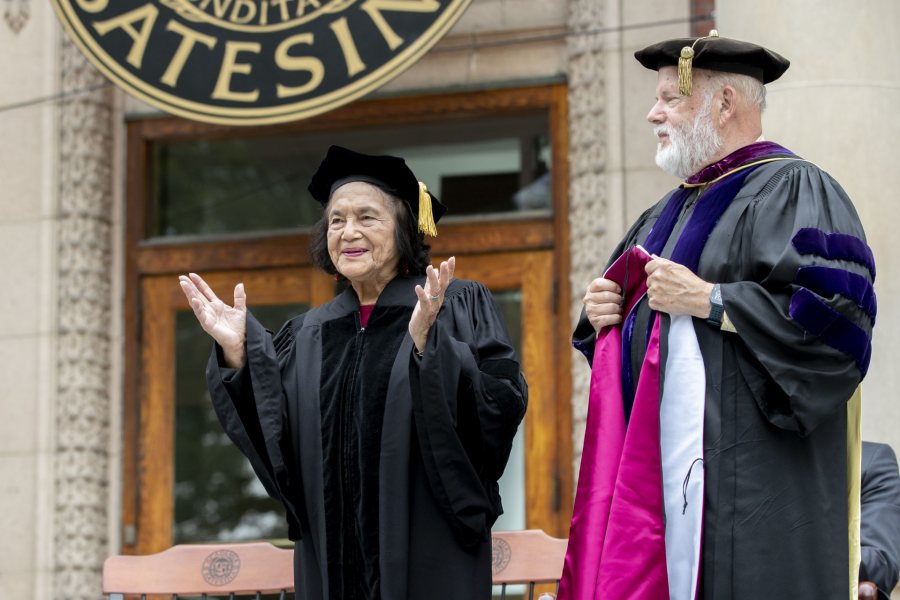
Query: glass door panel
[512, 484]
[192, 483]
[498, 165]
[217, 495]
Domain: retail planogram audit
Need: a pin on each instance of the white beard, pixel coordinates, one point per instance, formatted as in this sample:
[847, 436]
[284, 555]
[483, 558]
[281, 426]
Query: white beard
[690, 147]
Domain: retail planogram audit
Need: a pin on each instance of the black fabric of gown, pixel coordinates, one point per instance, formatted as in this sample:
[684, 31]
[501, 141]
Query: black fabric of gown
[387, 464]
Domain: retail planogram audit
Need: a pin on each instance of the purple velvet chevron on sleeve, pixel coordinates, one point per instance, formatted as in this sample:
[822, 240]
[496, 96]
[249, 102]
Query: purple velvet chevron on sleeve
[828, 281]
[834, 246]
[810, 312]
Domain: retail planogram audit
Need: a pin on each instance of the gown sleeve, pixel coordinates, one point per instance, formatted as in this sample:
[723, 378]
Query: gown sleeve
[469, 397]
[880, 520]
[804, 305]
[252, 407]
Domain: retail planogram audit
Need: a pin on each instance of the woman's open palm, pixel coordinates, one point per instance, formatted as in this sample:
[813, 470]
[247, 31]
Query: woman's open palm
[226, 324]
[431, 298]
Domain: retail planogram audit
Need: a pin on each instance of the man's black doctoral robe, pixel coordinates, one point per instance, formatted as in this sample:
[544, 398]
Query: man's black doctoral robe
[386, 463]
[795, 277]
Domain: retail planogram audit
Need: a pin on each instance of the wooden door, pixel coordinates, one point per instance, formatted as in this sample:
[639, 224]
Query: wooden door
[530, 274]
[518, 253]
[524, 277]
[164, 305]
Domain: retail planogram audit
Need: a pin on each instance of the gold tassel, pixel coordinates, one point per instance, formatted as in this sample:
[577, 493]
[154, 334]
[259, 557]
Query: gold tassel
[685, 62]
[685, 80]
[426, 218]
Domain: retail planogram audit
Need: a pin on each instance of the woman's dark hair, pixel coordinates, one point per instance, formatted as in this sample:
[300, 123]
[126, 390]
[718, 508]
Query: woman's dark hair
[414, 253]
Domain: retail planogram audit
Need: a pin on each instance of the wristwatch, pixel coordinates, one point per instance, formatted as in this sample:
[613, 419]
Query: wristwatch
[717, 307]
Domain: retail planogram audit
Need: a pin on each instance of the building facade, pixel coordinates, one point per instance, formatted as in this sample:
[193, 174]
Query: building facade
[537, 106]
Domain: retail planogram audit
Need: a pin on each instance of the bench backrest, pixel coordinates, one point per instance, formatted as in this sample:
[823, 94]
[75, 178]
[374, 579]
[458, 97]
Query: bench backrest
[519, 557]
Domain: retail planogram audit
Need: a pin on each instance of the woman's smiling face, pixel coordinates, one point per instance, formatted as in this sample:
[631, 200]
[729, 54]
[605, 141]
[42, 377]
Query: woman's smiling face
[361, 239]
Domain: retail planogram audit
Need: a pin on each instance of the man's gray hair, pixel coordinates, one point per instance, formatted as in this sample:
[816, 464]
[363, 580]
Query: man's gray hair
[747, 87]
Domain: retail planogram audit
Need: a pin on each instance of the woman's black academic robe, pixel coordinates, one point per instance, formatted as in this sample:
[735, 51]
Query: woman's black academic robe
[386, 463]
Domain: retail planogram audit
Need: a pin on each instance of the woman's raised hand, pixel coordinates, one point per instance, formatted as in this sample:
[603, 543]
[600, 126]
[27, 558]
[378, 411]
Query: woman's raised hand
[225, 324]
[431, 297]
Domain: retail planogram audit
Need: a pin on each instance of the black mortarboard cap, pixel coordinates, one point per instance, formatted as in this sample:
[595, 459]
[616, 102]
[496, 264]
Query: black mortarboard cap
[716, 54]
[390, 173]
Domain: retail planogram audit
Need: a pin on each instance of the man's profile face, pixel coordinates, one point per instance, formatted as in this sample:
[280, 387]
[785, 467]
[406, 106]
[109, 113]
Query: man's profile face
[687, 139]
[672, 109]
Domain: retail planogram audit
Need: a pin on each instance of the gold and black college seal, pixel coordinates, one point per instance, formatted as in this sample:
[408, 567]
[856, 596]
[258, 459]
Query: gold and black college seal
[251, 62]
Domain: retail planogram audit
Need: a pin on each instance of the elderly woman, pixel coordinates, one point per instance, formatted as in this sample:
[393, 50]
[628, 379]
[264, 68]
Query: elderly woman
[383, 419]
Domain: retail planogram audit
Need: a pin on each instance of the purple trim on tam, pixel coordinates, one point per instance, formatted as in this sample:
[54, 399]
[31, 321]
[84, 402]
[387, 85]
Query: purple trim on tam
[827, 281]
[739, 157]
[830, 326]
[834, 246]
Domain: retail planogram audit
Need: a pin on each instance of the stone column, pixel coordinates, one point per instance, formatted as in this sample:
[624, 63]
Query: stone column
[587, 180]
[16, 14]
[84, 276]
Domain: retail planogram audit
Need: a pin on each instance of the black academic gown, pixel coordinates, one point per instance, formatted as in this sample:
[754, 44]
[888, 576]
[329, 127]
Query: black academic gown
[775, 519]
[386, 463]
[880, 518]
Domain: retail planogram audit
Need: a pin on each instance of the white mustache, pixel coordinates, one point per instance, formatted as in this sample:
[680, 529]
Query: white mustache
[661, 129]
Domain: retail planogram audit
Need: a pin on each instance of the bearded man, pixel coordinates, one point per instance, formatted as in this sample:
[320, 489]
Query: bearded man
[727, 337]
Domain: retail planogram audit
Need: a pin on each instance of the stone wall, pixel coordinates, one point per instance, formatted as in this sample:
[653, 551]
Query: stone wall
[57, 312]
[613, 178]
[836, 106]
[83, 326]
[28, 159]
[588, 181]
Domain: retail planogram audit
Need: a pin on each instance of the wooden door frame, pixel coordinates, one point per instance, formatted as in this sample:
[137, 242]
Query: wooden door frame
[162, 298]
[531, 272]
[145, 258]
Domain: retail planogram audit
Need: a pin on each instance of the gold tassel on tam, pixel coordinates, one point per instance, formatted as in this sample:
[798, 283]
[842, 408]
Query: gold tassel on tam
[685, 74]
[426, 218]
[685, 81]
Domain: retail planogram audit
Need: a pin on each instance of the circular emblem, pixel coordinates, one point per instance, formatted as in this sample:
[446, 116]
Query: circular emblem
[221, 567]
[252, 62]
[500, 554]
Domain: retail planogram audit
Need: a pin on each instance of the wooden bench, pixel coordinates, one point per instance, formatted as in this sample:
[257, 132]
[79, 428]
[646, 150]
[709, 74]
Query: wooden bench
[528, 557]
[194, 570]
